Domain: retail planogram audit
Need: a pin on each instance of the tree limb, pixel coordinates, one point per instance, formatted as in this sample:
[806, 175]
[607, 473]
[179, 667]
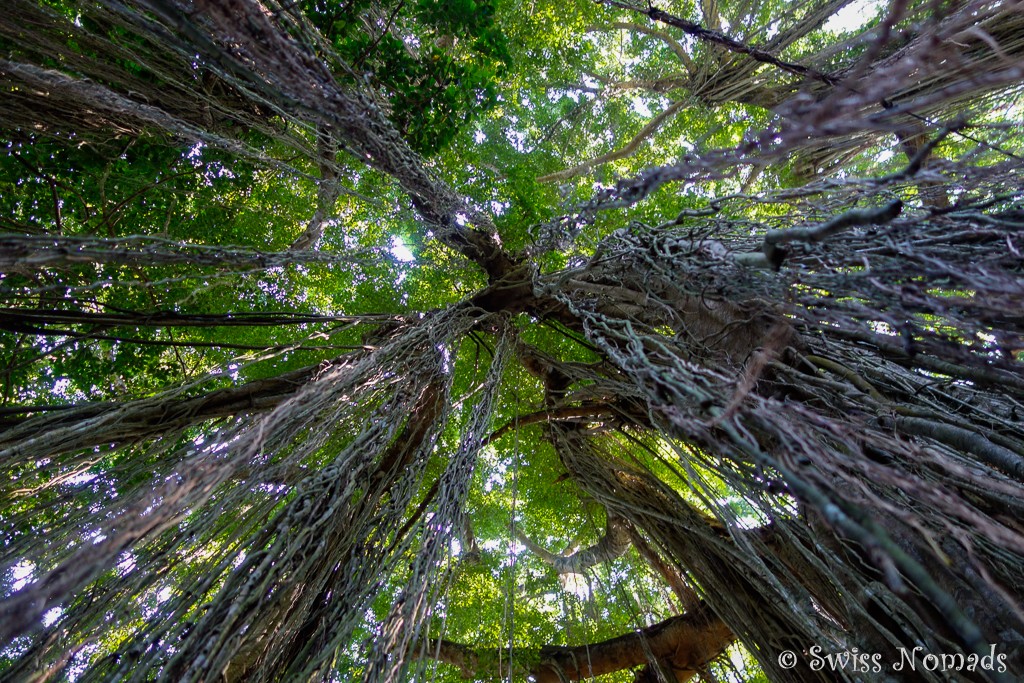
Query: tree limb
[18, 319]
[966, 440]
[688, 597]
[104, 423]
[673, 44]
[613, 544]
[814, 19]
[30, 252]
[686, 643]
[717, 38]
[590, 412]
[772, 255]
[326, 196]
[849, 219]
[277, 67]
[647, 131]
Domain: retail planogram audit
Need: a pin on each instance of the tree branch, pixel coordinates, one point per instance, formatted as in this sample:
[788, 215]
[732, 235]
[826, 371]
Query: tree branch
[658, 86]
[772, 255]
[630, 148]
[277, 67]
[562, 414]
[966, 440]
[326, 195]
[18, 319]
[717, 38]
[849, 219]
[811, 21]
[613, 544]
[686, 643]
[28, 252]
[918, 157]
[98, 424]
[673, 44]
[688, 597]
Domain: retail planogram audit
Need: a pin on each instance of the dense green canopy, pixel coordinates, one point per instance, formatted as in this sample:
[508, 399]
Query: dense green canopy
[499, 340]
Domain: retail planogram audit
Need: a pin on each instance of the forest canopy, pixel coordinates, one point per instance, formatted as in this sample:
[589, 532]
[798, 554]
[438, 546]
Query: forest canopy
[492, 340]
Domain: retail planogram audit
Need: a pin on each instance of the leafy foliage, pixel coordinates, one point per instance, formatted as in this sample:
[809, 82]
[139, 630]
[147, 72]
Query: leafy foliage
[437, 63]
[330, 331]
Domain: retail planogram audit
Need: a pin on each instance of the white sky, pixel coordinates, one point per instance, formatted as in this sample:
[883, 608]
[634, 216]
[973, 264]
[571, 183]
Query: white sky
[853, 16]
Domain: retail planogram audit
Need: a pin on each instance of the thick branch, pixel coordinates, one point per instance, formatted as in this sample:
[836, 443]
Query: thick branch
[97, 424]
[613, 544]
[968, 441]
[686, 643]
[239, 40]
[29, 252]
[849, 219]
[31, 320]
[688, 597]
[326, 196]
[773, 256]
[660, 85]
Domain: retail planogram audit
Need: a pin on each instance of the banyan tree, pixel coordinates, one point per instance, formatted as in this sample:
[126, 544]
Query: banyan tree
[495, 340]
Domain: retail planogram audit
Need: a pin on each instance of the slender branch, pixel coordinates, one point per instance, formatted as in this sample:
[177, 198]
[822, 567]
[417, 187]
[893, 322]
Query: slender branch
[630, 148]
[561, 414]
[849, 219]
[773, 256]
[18, 319]
[717, 38]
[358, 62]
[673, 44]
[54, 184]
